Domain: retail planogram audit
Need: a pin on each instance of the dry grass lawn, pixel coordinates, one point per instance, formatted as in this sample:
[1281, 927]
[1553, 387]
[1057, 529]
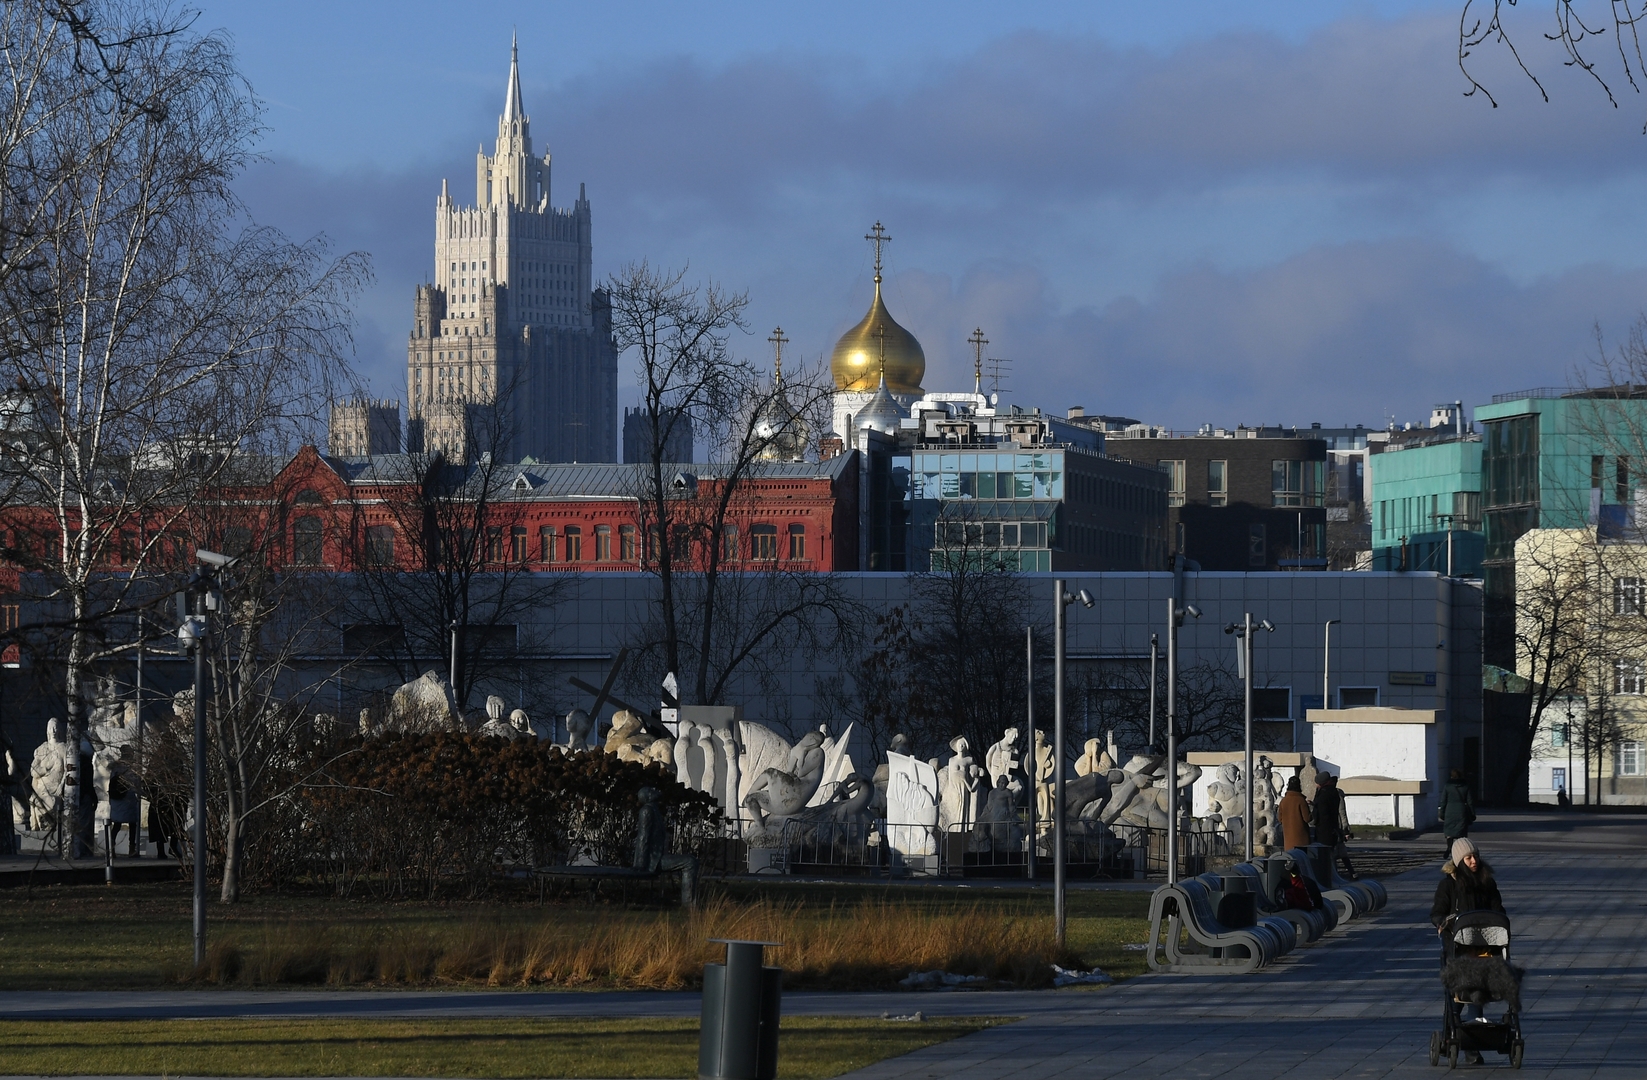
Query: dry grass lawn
[835, 936]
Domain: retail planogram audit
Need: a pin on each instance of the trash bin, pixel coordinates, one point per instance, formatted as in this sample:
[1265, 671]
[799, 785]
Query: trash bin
[738, 1037]
[1237, 906]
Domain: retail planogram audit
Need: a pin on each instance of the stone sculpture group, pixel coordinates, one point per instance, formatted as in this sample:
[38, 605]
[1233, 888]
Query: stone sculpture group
[771, 791]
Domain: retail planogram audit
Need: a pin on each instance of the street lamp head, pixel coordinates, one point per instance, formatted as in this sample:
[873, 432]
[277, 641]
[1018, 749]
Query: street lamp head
[1085, 598]
[1267, 625]
[1234, 628]
[212, 558]
[1193, 610]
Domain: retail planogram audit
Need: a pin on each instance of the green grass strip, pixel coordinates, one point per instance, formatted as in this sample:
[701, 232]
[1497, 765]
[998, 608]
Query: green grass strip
[810, 1048]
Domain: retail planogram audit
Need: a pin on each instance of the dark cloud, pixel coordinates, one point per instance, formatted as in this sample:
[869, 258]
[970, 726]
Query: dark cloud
[1344, 333]
[762, 173]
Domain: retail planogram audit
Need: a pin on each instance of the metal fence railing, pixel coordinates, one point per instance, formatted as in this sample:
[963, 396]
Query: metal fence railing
[879, 847]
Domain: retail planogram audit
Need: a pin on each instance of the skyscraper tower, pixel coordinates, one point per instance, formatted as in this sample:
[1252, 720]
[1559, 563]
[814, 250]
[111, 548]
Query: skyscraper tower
[511, 335]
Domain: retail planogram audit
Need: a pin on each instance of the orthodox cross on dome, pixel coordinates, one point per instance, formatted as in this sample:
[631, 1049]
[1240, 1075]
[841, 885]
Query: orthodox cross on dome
[778, 342]
[878, 236]
[978, 341]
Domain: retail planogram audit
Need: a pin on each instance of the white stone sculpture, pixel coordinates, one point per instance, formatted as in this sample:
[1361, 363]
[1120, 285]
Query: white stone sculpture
[1266, 826]
[837, 766]
[911, 806]
[425, 704]
[579, 727]
[629, 741]
[47, 774]
[495, 725]
[1002, 760]
[900, 745]
[1045, 772]
[960, 784]
[777, 794]
[1092, 760]
[1226, 802]
[119, 796]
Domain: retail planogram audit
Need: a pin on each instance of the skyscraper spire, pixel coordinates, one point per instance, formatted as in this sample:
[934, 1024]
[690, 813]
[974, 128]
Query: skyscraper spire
[512, 107]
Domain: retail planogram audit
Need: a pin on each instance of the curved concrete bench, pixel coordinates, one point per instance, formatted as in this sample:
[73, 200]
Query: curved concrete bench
[1309, 924]
[1212, 947]
[1353, 898]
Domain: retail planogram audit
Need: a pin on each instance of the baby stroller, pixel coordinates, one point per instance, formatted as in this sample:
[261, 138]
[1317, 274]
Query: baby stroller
[1475, 970]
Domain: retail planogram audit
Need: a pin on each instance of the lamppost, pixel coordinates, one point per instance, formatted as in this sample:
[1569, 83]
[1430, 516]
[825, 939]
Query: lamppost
[1062, 600]
[1326, 664]
[1175, 619]
[194, 637]
[1154, 654]
[1243, 632]
[1029, 735]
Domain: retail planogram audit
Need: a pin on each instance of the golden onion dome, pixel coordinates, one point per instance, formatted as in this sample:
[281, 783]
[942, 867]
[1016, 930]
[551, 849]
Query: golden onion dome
[856, 362]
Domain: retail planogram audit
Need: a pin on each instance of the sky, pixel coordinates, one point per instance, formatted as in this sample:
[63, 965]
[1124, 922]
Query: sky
[1189, 213]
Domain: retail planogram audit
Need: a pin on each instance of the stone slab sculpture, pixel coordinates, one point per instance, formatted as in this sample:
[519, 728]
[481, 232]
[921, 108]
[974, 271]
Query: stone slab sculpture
[911, 806]
[900, 745]
[424, 705]
[1092, 759]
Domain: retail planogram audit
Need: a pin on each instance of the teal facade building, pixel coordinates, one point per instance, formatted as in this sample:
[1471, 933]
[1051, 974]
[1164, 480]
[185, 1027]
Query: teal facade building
[1425, 502]
[1552, 459]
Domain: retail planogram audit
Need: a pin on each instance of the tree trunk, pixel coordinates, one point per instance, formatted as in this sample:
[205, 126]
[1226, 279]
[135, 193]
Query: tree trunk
[77, 827]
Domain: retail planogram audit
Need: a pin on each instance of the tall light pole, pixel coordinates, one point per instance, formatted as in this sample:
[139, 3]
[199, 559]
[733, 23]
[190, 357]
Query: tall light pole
[1154, 654]
[193, 637]
[1029, 734]
[1061, 601]
[1175, 619]
[1243, 632]
[1326, 664]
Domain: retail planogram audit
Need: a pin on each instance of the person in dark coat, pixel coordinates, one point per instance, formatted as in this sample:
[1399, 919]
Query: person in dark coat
[1457, 809]
[1294, 814]
[1466, 884]
[1332, 824]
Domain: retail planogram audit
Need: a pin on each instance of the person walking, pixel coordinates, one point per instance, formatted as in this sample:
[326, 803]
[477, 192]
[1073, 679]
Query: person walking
[1457, 809]
[1332, 821]
[1467, 884]
[1294, 814]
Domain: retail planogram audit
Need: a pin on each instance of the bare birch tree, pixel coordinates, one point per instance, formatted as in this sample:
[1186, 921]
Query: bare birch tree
[149, 334]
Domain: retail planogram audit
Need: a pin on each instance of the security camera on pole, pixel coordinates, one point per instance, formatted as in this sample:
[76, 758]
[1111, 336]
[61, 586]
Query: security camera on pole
[194, 638]
[1175, 619]
[1064, 599]
[1243, 652]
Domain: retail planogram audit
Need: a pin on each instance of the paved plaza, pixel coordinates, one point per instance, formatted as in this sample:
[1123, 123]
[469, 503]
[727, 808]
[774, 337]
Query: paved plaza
[1361, 1003]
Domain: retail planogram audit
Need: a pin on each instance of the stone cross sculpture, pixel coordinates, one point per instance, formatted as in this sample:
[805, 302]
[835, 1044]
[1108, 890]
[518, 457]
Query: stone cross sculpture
[652, 846]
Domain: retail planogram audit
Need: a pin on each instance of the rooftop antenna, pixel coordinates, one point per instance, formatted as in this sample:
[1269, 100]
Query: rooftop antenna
[778, 342]
[998, 366]
[978, 342]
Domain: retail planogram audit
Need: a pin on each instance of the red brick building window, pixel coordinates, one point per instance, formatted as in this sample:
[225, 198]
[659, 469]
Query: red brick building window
[517, 543]
[574, 544]
[603, 543]
[308, 537]
[797, 541]
[763, 542]
[546, 543]
[626, 543]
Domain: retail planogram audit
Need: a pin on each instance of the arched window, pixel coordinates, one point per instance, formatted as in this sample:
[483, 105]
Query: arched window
[763, 542]
[574, 544]
[603, 543]
[307, 541]
[308, 496]
[797, 540]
